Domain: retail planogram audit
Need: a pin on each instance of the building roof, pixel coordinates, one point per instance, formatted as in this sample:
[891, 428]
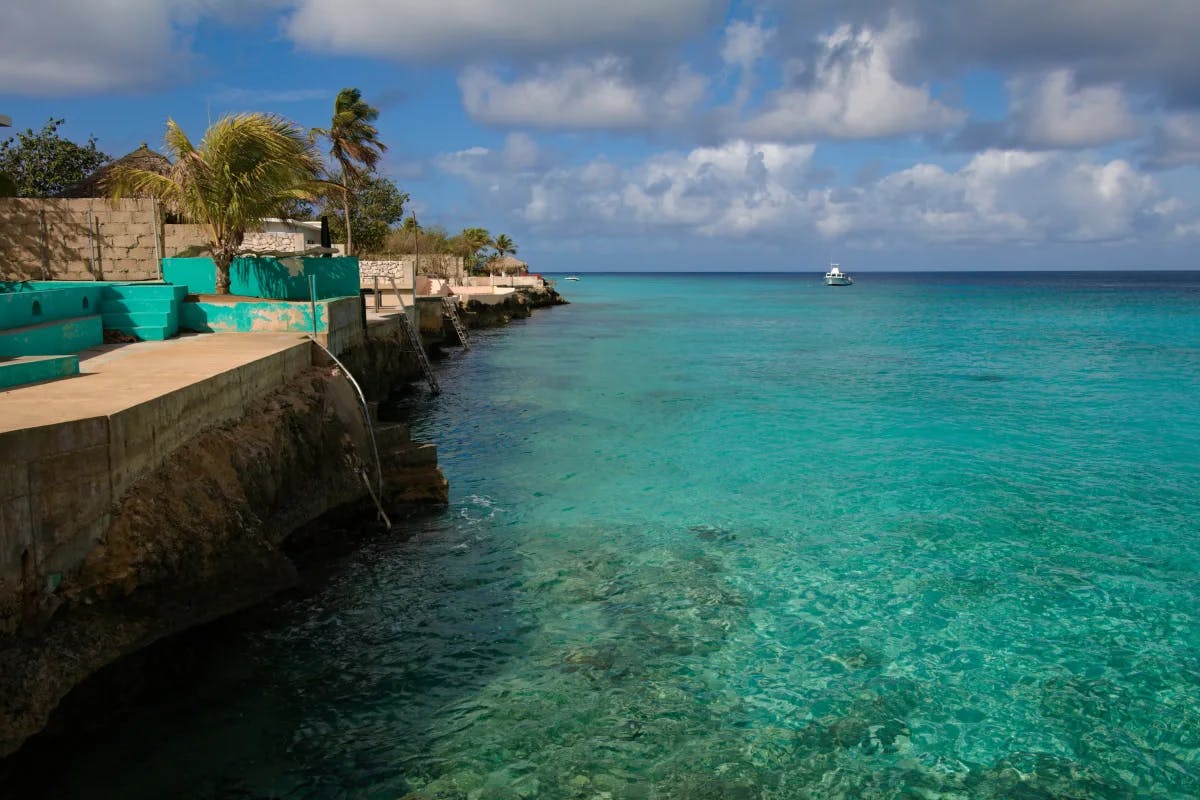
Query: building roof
[507, 263]
[93, 185]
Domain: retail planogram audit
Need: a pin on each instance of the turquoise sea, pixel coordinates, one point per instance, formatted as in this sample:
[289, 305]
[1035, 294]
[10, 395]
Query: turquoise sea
[713, 536]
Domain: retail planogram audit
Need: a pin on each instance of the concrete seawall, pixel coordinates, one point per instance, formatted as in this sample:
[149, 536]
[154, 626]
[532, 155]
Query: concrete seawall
[155, 503]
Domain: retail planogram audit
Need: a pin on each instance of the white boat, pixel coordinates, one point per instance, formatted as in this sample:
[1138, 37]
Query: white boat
[835, 277]
[571, 278]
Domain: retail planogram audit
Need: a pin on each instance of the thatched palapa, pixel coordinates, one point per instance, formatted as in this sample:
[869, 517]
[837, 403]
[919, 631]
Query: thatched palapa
[95, 185]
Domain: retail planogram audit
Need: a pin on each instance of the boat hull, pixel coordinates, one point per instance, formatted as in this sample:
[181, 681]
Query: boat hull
[838, 281]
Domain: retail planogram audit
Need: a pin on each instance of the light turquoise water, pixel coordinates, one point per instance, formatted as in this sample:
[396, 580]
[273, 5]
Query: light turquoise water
[924, 537]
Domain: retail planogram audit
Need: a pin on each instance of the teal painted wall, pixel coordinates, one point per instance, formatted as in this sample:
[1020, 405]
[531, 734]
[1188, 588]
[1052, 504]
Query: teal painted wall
[33, 306]
[60, 337]
[268, 277]
[16, 373]
[249, 316]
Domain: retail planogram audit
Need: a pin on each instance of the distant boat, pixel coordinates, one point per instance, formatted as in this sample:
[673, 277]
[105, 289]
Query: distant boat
[571, 278]
[835, 277]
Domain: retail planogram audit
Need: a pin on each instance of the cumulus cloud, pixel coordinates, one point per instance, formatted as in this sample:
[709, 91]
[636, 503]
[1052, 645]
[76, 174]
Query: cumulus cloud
[1051, 111]
[597, 94]
[62, 46]
[745, 188]
[84, 46]
[1175, 142]
[463, 29]
[849, 92]
[1150, 44]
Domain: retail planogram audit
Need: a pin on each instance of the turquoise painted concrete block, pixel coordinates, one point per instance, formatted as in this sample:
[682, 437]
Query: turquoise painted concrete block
[281, 279]
[58, 337]
[33, 369]
[250, 316]
[34, 306]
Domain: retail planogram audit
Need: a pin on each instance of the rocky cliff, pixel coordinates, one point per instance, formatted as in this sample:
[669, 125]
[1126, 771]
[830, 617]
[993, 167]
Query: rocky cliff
[518, 305]
[204, 534]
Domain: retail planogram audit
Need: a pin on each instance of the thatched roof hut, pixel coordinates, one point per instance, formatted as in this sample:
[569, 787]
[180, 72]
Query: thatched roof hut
[507, 265]
[94, 185]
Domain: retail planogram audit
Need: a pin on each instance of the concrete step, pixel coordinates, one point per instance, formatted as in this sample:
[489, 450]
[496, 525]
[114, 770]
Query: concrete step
[147, 333]
[391, 436]
[145, 291]
[411, 455]
[117, 320]
[54, 338]
[127, 305]
[34, 369]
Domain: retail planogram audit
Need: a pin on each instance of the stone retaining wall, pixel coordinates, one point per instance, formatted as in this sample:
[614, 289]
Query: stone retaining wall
[78, 239]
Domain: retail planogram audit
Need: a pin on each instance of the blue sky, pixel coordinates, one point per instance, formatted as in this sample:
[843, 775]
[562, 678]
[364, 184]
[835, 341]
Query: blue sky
[690, 134]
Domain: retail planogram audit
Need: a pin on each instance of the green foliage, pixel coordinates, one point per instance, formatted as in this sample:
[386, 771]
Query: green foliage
[504, 245]
[412, 238]
[296, 209]
[354, 147]
[469, 245]
[8, 187]
[246, 168]
[377, 205]
[42, 163]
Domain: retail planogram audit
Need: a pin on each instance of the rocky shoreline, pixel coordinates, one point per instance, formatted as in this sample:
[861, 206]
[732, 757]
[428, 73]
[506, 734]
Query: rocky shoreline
[206, 533]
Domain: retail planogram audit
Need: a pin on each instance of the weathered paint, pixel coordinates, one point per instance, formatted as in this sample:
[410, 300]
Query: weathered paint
[281, 279]
[251, 316]
[32, 369]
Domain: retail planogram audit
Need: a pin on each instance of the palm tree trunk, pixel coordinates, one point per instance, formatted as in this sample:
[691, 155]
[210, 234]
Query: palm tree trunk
[346, 208]
[222, 262]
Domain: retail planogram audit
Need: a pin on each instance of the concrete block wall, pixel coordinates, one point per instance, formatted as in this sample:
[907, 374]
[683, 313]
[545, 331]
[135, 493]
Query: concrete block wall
[60, 482]
[77, 239]
[401, 267]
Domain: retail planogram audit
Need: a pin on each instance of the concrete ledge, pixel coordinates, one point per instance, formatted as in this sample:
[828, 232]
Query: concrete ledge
[69, 450]
[32, 369]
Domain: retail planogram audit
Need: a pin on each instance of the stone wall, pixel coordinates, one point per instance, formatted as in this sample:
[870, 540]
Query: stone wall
[77, 239]
[401, 267]
[179, 237]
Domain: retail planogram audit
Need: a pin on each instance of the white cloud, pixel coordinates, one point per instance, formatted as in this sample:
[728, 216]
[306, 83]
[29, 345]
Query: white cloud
[1150, 45]
[62, 46]
[596, 94]
[1053, 112]
[461, 30]
[741, 188]
[849, 92]
[1176, 142]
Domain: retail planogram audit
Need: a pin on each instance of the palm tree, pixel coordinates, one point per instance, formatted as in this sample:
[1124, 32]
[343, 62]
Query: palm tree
[353, 145]
[472, 241]
[245, 168]
[504, 245]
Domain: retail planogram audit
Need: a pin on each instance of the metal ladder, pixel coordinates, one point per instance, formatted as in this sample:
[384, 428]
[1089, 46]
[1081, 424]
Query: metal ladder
[453, 312]
[414, 340]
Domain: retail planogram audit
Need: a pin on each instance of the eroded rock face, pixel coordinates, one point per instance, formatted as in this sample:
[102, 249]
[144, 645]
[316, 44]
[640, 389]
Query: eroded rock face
[203, 536]
[518, 305]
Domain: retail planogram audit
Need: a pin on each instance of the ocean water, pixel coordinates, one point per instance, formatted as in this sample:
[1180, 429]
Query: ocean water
[929, 536]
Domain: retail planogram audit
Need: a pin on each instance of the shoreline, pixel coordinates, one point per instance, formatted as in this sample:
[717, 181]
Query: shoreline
[195, 507]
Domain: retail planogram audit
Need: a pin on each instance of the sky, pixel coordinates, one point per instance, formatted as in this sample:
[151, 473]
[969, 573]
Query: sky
[689, 134]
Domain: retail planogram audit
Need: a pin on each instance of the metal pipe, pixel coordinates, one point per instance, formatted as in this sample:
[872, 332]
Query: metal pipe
[45, 255]
[154, 228]
[92, 242]
[312, 289]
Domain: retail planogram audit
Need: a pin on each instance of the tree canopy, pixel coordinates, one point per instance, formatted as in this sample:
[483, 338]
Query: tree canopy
[376, 206]
[354, 148]
[42, 163]
[246, 168]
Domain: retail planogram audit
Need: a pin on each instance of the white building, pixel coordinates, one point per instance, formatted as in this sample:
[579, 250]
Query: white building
[288, 235]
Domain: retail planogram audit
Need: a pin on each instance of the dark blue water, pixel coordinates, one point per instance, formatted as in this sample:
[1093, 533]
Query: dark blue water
[711, 536]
